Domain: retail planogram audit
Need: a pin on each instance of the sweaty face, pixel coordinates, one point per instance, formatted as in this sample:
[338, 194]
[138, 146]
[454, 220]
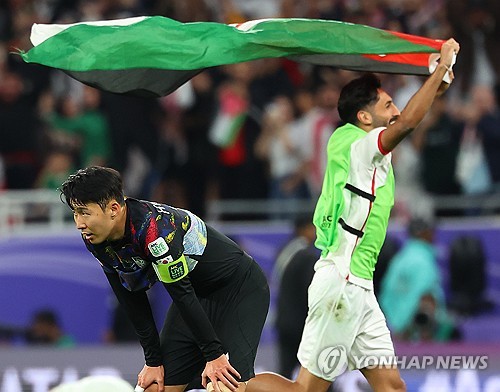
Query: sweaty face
[384, 112]
[95, 224]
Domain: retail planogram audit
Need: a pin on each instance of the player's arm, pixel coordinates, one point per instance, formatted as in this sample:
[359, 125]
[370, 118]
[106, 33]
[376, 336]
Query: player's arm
[194, 315]
[138, 309]
[421, 102]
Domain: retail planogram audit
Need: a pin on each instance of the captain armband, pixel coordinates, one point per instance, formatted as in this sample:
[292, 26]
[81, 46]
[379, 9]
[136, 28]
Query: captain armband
[171, 271]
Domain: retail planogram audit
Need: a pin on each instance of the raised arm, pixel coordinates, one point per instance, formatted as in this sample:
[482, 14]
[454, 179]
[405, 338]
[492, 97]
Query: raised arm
[421, 102]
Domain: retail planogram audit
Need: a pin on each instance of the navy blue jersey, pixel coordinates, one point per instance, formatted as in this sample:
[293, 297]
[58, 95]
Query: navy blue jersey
[160, 235]
[154, 233]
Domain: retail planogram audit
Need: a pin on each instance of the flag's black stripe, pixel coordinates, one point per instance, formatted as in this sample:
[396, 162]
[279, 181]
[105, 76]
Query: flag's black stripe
[142, 82]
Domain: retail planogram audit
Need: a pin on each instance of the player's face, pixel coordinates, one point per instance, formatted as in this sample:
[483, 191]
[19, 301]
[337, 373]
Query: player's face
[384, 111]
[95, 224]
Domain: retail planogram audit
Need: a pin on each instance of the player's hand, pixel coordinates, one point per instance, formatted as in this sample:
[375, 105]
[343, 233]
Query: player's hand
[150, 375]
[449, 49]
[220, 369]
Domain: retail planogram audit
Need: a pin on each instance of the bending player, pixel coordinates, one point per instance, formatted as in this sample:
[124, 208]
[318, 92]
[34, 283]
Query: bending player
[220, 294]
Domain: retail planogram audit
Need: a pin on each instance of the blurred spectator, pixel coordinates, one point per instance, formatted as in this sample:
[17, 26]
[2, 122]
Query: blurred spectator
[291, 276]
[80, 127]
[412, 295]
[291, 311]
[280, 145]
[473, 169]
[488, 128]
[57, 166]
[326, 9]
[20, 132]
[438, 140]
[46, 329]
[201, 153]
[134, 125]
[467, 267]
[10, 334]
[391, 246]
[137, 125]
[227, 132]
[173, 153]
[479, 44]
[303, 236]
[315, 128]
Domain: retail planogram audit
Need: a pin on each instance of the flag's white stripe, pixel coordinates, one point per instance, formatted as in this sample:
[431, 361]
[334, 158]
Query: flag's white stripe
[42, 32]
[245, 26]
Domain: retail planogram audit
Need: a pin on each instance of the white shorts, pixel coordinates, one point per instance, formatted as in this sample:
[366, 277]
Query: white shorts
[345, 328]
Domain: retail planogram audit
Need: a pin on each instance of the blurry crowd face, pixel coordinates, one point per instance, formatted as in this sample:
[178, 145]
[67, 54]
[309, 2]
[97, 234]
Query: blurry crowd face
[328, 97]
[483, 99]
[11, 87]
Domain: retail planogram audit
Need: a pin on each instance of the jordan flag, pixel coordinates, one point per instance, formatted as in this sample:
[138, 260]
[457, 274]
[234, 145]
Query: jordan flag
[152, 56]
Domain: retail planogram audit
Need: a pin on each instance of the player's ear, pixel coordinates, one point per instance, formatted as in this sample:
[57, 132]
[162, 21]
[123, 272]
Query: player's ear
[114, 207]
[364, 117]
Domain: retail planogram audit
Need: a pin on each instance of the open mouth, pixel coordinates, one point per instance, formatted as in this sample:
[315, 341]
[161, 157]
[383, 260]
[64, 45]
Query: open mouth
[87, 236]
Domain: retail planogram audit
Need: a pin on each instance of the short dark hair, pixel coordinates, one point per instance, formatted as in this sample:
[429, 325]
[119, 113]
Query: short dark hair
[356, 95]
[94, 184]
[46, 316]
[419, 225]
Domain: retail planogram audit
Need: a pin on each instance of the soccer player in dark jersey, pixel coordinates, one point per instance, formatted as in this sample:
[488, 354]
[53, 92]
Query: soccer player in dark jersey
[220, 294]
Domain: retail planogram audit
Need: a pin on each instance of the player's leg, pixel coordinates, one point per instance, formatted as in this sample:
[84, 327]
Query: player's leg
[375, 342]
[384, 379]
[272, 382]
[183, 362]
[241, 388]
[238, 313]
[287, 354]
[169, 388]
[330, 327]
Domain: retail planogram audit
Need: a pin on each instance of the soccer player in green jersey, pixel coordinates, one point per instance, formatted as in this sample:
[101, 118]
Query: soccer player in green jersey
[345, 328]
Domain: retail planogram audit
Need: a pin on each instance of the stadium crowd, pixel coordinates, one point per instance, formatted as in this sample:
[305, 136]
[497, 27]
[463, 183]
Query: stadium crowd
[247, 131]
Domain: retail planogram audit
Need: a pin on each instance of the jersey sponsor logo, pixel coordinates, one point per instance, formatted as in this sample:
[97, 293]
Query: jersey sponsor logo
[158, 247]
[326, 222]
[170, 272]
[138, 261]
[176, 271]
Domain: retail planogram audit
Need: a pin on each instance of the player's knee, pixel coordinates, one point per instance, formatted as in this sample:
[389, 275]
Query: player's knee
[387, 383]
[241, 388]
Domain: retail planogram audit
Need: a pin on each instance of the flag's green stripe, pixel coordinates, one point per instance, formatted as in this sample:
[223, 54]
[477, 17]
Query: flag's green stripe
[159, 42]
